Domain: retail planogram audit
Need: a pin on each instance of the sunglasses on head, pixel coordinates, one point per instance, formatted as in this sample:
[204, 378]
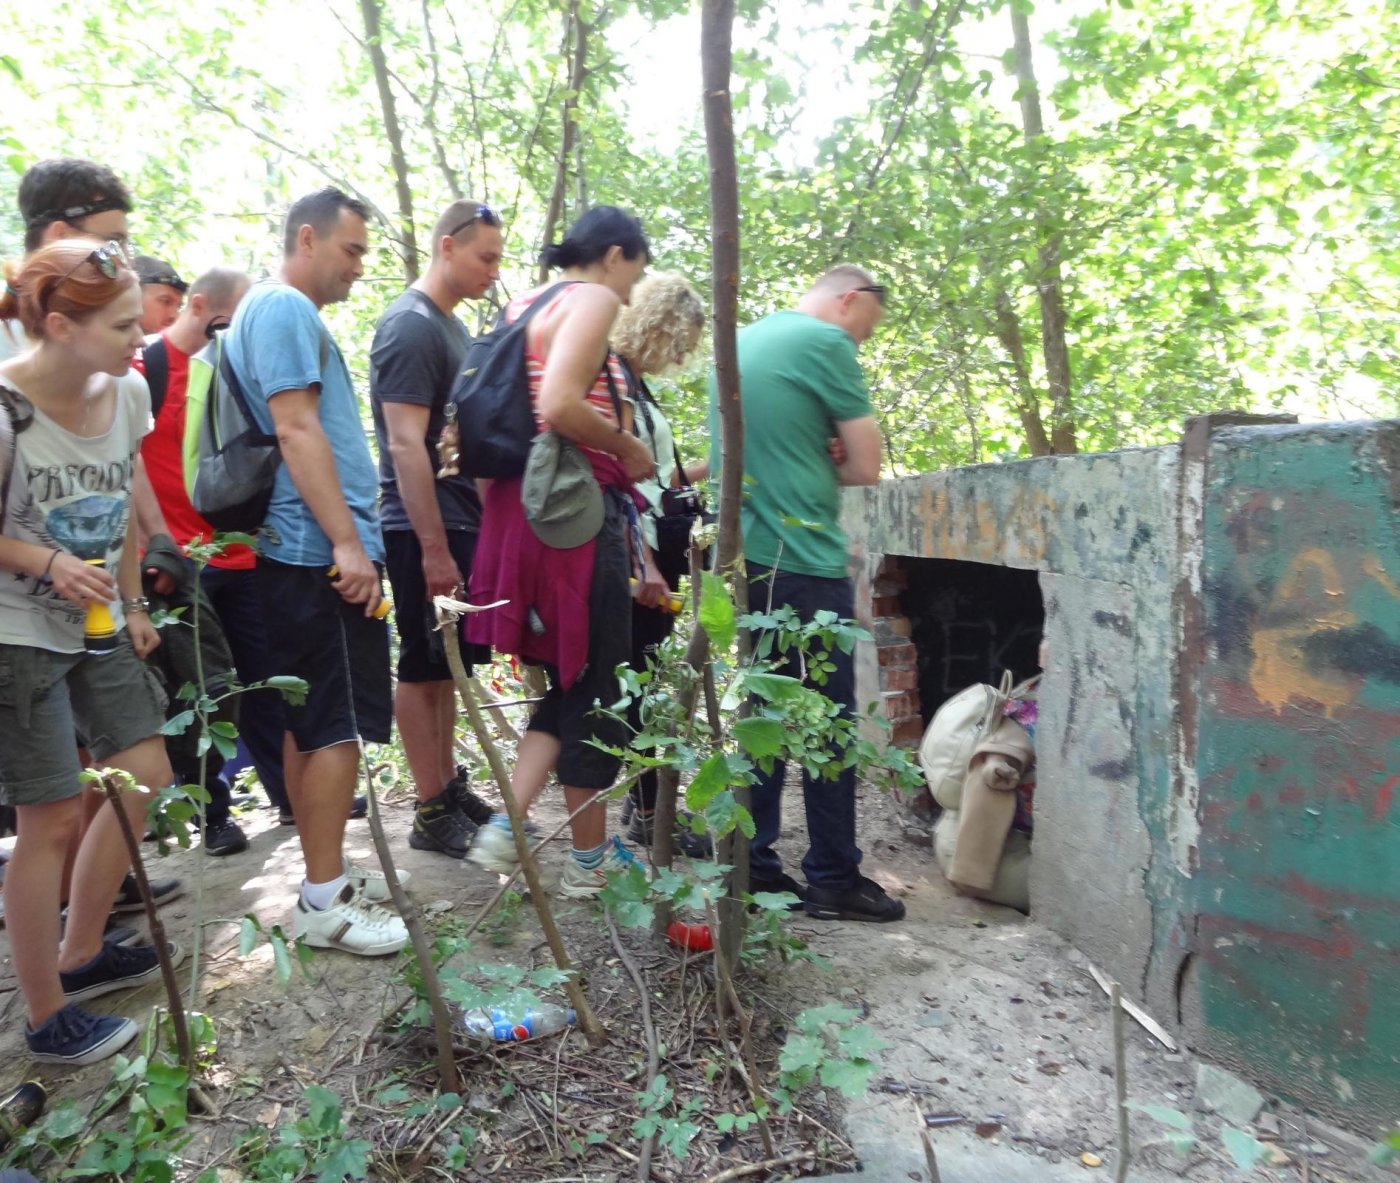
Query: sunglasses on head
[875, 289]
[109, 259]
[484, 214]
[75, 213]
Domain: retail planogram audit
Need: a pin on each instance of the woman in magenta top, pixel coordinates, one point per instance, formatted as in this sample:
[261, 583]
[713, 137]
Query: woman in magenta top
[570, 609]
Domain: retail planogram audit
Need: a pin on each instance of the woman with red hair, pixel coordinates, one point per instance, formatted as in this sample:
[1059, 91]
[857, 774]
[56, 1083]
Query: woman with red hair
[72, 415]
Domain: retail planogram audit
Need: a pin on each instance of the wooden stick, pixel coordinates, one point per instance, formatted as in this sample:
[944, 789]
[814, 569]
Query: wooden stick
[110, 781]
[930, 1159]
[1120, 1083]
[757, 1168]
[592, 1029]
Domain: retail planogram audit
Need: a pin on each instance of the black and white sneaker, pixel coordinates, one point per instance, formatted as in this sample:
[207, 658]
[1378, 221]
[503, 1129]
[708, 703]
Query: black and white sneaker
[641, 831]
[73, 1036]
[117, 967]
[863, 900]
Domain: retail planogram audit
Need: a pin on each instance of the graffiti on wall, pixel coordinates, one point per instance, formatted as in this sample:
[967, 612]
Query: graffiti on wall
[1298, 892]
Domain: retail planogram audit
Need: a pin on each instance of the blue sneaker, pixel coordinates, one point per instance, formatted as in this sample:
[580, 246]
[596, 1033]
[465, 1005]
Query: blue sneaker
[117, 967]
[73, 1036]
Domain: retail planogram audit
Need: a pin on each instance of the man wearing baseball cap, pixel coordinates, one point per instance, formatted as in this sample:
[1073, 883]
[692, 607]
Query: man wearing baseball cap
[162, 293]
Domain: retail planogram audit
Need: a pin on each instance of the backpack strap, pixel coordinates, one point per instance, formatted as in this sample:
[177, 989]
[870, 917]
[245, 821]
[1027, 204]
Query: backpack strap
[156, 359]
[9, 446]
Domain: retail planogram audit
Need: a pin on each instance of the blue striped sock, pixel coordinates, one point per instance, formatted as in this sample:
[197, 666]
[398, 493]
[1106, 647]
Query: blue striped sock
[591, 860]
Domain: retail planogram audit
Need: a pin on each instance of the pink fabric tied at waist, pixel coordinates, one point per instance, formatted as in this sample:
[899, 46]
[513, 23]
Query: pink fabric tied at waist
[512, 564]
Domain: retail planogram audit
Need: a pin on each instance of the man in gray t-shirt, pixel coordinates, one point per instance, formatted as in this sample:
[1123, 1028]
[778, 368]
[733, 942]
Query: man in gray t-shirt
[430, 525]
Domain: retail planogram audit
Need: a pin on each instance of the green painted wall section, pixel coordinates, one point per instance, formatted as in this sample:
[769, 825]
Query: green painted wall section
[1297, 898]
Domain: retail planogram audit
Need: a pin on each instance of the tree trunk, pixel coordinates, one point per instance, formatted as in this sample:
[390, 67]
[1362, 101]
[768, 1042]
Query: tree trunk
[1008, 331]
[716, 62]
[408, 241]
[576, 42]
[1048, 279]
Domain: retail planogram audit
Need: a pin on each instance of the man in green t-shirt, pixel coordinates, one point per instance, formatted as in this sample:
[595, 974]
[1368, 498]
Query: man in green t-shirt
[809, 429]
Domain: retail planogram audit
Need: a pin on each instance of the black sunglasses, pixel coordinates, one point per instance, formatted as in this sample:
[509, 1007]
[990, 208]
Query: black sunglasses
[109, 259]
[484, 214]
[875, 289]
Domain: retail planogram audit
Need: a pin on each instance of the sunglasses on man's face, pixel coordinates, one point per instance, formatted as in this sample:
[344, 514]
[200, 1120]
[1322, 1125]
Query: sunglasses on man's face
[484, 214]
[109, 259]
[875, 289]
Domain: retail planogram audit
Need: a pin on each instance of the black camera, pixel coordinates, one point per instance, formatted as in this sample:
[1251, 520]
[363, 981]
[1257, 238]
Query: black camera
[684, 501]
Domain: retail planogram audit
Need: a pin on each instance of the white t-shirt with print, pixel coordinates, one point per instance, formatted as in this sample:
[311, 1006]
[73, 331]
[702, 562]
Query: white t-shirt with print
[74, 493]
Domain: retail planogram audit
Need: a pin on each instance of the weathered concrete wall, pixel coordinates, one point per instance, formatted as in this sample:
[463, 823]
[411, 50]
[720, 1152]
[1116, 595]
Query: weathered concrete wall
[1101, 530]
[1219, 742]
[1297, 897]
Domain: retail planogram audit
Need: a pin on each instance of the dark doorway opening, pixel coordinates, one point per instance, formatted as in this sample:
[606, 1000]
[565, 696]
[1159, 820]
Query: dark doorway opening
[968, 623]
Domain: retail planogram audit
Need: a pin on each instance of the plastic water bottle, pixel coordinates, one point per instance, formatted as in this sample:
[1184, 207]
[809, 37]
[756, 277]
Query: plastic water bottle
[22, 1108]
[99, 629]
[506, 1028]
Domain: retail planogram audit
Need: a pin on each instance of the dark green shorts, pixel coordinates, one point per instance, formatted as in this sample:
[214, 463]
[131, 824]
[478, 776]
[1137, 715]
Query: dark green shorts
[46, 699]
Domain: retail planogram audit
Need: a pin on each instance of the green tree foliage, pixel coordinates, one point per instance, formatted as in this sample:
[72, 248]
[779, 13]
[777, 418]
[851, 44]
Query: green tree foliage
[1219, 182]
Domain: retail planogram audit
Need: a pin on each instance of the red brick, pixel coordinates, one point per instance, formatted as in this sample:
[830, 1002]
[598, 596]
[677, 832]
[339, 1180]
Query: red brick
[898, 704]
[890, 630]
[886, 606]
[900, 654]
[894, 678]
[907, 732]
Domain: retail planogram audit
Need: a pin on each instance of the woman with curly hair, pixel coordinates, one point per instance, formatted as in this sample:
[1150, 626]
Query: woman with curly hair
[658, 330]
[71, 420]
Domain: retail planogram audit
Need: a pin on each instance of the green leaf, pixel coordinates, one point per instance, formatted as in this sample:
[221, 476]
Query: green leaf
[760, 737]
[281, 957]
[176, 724]
[711, 780]
[717, 612]
[346, 1160]
[248, 935]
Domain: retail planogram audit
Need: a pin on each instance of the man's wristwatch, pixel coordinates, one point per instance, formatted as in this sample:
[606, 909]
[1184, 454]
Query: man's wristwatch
[136, 604]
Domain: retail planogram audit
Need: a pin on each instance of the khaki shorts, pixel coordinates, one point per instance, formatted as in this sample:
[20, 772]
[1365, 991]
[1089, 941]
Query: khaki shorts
[46, 699]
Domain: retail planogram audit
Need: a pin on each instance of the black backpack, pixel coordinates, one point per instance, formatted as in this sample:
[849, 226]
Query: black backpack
[230, 462]
[155, 360]
[489, 407]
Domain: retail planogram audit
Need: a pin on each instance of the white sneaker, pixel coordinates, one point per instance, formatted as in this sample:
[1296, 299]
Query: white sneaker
[373, 884]
[579, 882]
[352, 924]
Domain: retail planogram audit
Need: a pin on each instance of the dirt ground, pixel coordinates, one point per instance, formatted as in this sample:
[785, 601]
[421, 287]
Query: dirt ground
[997, 1031]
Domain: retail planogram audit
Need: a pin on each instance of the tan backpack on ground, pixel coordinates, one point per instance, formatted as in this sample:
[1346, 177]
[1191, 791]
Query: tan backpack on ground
[960, 725]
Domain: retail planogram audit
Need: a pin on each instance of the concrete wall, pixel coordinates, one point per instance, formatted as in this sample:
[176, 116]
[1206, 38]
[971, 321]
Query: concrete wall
[1220, 727]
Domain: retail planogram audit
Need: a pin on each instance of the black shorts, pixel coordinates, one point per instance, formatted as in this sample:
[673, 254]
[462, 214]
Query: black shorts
[570, 715]
[421, 654]
[341, 654]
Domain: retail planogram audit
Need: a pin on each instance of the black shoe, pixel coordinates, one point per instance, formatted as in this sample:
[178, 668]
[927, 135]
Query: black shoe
[119, 936]
[438, 825]
[225, 838]
[129, 898]
[865, 901]
[468, 804]
[240, 800]
[359, 808]
[641, 831]
[285, 817]
[777, 885]
[117, 967]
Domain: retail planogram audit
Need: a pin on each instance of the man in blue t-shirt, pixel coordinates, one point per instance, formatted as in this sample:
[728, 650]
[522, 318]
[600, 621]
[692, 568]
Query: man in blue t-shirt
[318, 566]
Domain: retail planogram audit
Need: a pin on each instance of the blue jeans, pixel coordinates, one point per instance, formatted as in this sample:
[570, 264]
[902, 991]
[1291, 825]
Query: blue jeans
[261, 723]
[832, 860]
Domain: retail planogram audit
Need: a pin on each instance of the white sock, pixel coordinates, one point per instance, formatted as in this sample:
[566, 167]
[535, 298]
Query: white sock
[321, 896]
